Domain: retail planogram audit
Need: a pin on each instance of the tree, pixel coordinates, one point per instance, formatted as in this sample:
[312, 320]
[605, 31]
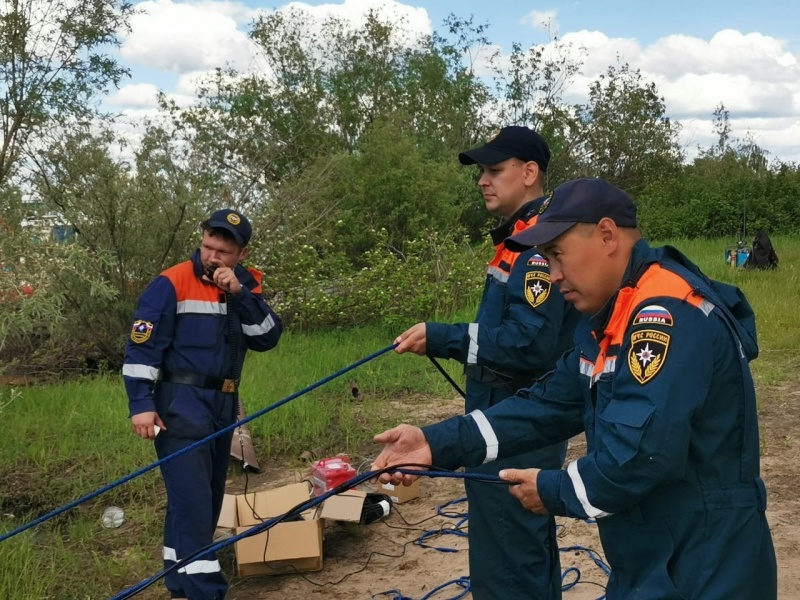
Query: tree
[54, 61]
[531, 92]
[624, 135]
[130, 225]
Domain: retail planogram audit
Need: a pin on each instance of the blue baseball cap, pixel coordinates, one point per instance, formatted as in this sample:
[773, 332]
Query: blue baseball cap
[573, 202]
[234, 222]
[513, 141]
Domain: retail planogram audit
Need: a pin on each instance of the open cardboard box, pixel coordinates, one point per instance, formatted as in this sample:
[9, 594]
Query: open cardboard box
[289, 546]
[399, 493]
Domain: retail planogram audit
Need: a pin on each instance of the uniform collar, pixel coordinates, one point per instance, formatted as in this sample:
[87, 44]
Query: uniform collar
[525, 212]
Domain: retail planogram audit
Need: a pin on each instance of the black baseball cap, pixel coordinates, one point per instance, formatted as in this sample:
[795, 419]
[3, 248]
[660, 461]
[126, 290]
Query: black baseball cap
[232, 221]
[513, 141]
[573, 202]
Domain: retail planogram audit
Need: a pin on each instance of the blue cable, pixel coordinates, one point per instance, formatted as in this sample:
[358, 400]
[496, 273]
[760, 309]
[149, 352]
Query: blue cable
[300, 508]
[451, 515]
[571, 584]
[191, 447]
[462, 582]
[597, 560]
[420, 541]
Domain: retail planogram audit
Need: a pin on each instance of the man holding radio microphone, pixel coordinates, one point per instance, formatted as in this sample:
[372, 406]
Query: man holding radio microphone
[191, 330]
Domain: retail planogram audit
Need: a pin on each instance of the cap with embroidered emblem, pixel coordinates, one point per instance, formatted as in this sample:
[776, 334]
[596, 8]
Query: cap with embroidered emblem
[573, 202]
[234, 222]
[513, 141]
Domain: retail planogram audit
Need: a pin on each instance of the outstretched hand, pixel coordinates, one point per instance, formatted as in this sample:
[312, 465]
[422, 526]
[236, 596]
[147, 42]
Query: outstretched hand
[413, 339]
[524, 488]
[403, 444]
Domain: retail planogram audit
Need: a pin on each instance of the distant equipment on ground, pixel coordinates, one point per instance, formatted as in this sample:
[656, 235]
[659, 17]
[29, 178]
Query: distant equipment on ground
[737, 255]
[762, 255]
[759, 255]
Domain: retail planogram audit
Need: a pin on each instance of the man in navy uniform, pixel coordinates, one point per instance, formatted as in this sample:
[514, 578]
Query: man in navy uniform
[191, 331]
[660, 383]
[522, 327]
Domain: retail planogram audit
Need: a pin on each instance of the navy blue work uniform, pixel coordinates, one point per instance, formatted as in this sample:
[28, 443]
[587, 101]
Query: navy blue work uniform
[187, 346]
[660, 383]
[522, 327]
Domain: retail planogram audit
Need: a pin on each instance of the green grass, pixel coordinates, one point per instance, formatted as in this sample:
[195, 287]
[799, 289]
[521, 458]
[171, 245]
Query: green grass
[774, 296]
[62, 441]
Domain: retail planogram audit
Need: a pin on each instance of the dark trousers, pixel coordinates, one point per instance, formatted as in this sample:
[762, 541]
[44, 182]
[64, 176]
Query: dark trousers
[513, 553]
[195, 484]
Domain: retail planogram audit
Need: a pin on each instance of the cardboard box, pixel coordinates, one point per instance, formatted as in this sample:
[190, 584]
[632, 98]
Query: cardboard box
[285, 548]
[344, 507]
[290, 546]
[399, 493]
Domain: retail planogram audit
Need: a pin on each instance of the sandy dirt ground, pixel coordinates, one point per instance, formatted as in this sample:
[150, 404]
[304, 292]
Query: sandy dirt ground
[381, 560]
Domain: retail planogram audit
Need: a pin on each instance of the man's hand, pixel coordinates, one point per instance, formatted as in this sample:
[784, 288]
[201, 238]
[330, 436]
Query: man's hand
[404, 444]
[412, 340]
[144, 424]
[525, 490]
[224, 278]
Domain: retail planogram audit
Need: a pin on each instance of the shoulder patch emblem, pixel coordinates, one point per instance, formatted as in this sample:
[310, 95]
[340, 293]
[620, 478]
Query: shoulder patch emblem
[546, 203]
[647, 354]
[140, 332]
[537, 260]
[537, 287]
[653, 315]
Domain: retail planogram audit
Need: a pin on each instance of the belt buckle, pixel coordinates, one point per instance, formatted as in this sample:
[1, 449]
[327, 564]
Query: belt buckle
[229, 386]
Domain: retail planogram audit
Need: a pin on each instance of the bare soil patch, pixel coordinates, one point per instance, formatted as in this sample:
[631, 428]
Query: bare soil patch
[382, 560]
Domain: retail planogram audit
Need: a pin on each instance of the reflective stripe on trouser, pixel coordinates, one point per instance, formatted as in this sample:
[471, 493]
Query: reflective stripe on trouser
[195, 484]
[513, 553]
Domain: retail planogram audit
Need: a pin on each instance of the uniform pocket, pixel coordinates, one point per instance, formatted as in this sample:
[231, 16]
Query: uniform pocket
[626, 422]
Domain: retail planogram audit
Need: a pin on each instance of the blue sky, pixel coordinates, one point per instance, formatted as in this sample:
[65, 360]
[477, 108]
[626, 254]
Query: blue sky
[698, 53]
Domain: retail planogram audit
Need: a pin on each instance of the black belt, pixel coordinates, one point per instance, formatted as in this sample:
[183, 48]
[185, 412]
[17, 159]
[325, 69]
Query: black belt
[497, 379]
[228, 386]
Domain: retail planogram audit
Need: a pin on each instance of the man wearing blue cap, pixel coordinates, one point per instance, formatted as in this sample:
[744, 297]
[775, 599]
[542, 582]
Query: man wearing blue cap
[523, 325]
[659, 382]
[191, 330]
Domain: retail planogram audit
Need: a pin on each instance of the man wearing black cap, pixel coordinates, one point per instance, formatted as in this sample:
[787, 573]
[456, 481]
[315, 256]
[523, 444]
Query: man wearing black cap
[522, 327]
[660, 383]
[191, 331]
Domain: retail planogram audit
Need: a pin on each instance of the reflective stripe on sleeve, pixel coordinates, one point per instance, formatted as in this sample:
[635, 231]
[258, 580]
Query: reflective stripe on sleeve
[580, 492]
[488, 434]
[706, 307]
[141, 372]
[259, 329]
[472, 353]
[498, 274]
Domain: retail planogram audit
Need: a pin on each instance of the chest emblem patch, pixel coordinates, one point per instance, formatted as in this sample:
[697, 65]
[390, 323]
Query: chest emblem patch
[647, 354]
[537, 287]
[140, 332]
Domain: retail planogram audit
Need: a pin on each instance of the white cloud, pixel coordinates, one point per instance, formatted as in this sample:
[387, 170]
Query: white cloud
[135, 95]
[181, 37]
[541, 19]
[756, 76]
